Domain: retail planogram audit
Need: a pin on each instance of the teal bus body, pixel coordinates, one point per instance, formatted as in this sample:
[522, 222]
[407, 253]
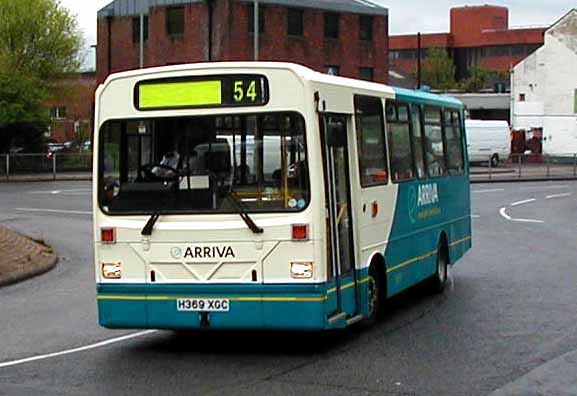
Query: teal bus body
[412, 249]
[410, 256]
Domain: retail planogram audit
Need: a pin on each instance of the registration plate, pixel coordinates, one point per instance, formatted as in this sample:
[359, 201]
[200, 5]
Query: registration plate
[203, 304]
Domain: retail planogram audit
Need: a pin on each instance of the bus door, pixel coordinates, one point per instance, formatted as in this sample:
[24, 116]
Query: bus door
[340, 221]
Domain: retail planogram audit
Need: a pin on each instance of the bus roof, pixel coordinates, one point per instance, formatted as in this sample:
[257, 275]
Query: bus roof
[422, 97]
[301, 71]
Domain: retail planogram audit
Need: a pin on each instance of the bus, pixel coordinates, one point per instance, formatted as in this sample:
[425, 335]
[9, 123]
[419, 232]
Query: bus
[263, 195]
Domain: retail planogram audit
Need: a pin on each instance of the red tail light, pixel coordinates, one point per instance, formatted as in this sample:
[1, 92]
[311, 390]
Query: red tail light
[300, 232]
[108, 235]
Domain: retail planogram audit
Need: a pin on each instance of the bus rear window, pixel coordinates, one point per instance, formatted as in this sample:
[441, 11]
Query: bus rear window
[195, 164]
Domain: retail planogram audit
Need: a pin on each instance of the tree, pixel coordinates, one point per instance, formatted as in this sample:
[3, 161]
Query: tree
[40, 44]
[439, 69]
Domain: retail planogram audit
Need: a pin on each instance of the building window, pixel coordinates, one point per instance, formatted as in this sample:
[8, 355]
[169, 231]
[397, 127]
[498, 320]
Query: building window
[58, 113]
[521, 97]
[371, 144]
[366, 27]
[331, 25]
[332, 70]
[366, 73]
[261, 12]
[136, 29]
[295, 22]
[175, 21]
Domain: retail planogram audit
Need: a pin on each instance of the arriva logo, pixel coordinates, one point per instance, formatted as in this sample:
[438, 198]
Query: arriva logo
[427, 194]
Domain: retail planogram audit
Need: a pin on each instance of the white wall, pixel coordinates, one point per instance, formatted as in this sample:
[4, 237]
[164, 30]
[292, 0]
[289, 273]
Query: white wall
[548, 78]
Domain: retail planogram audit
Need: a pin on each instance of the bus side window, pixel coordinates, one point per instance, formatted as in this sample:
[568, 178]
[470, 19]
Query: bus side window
[399, 141]
[434, 146]
[371, 144]
[417, 138]
[453, 138]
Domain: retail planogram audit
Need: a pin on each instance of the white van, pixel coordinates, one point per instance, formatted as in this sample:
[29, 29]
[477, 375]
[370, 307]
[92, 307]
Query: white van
[488, 141]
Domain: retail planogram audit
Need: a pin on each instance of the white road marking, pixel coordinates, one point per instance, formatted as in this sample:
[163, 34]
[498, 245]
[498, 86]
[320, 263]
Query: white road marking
[526, 201]
[487, 191]
[79, 349]
[558, 195]
[503, 212]
[73, 191]
[475, 216]
[544, 187]
[76, 212]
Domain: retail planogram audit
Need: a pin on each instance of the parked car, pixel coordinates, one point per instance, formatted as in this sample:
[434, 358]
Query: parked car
[488, 141]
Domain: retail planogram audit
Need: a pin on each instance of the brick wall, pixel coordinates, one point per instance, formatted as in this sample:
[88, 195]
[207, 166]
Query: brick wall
[232, 40]
[77, 97]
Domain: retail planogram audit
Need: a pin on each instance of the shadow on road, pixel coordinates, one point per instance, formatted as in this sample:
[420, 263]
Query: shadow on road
[402, 310]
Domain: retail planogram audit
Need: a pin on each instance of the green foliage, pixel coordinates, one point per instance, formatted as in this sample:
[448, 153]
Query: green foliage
[40, 45]
[39, 38]
[439, 69]
[477, 81]
[22, 115]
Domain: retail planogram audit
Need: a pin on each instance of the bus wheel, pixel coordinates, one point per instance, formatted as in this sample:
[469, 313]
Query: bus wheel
[495, 160]
[439, 279]
[375, 293]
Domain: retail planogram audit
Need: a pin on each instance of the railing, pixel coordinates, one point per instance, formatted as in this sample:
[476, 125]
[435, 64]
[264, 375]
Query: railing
[528, 167]
[45, 166]
[15, 167]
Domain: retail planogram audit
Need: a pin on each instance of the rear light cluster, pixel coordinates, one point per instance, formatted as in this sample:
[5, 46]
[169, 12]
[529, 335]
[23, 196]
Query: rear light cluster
[108, 235]
[300, 232]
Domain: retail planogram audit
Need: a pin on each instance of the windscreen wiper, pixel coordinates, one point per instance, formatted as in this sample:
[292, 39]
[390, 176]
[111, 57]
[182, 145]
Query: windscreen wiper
[243, 214]
[147, 230]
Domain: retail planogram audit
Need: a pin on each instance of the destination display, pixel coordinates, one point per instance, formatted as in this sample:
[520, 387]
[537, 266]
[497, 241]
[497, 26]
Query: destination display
[213, 91]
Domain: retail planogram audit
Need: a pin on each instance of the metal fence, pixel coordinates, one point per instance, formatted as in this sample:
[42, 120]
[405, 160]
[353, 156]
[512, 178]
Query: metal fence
[45, 166]
[14, 167]
[528, 167]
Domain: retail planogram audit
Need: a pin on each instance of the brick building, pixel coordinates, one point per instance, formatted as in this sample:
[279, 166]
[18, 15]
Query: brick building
[479, 37]
[347, 37]
[72, 109]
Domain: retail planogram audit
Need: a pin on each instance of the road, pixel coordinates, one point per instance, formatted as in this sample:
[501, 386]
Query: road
[510, 308]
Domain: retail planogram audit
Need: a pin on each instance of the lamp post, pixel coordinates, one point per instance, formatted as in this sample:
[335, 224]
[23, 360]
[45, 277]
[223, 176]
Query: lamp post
[256, 30]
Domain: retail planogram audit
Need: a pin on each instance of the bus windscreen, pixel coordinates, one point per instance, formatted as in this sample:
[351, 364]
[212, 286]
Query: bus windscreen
[194, 164]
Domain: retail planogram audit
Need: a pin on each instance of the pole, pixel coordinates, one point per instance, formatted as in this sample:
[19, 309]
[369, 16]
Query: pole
[142, 35]
[419, 60]
[54, 166]
[7, 167]
[256, 30]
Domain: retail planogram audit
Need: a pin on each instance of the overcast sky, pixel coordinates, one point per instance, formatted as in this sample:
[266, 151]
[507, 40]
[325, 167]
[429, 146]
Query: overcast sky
[406, 16]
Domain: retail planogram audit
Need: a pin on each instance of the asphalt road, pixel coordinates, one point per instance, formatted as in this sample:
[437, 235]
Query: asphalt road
[510, 309]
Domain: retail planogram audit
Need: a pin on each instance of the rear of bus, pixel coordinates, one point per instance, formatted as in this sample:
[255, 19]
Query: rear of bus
[205, 215]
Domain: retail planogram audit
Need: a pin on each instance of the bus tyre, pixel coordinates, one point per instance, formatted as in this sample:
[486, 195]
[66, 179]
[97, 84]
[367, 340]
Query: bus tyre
[495, 160]
[374, 297]
[439, 279]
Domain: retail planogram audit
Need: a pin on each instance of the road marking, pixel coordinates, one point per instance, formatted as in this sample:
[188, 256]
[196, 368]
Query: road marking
[475, 216]
[503, 212]
[79, 349]
[558, 196]
[544, 187]
[74, 191]
[487, 191]
[76, 212]
[526, 201]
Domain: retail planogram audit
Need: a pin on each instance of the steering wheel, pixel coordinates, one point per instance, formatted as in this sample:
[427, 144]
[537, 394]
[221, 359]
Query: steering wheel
[146, 171]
